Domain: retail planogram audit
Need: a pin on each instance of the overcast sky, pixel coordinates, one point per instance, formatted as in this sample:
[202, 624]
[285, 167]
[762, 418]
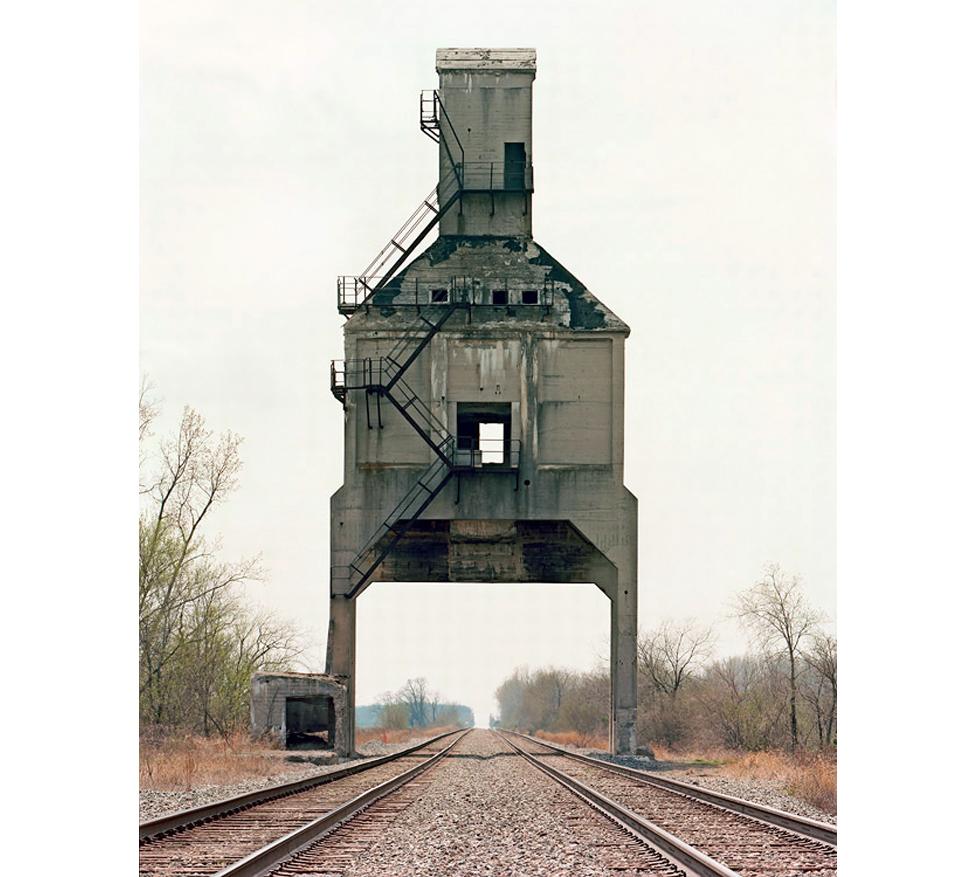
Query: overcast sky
[684, 161]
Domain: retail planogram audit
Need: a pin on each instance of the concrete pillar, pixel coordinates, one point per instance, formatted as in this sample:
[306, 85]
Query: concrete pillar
[622, 592]
[623, 669]
[340, 660]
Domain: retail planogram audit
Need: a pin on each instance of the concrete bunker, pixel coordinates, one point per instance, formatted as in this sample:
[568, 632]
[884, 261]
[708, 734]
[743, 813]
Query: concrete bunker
[299, 710]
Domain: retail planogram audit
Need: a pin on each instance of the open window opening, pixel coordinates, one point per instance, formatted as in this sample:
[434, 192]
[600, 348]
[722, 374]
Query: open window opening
[499, 296]
[310, 722]
[515, 166]
[491, 439]
[530, 296]
[438, 296]
[484, 431]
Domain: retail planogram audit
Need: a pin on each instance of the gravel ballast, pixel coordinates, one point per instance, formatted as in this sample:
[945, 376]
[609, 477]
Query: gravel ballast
[485, 811]
[769, 793]
[154, 803]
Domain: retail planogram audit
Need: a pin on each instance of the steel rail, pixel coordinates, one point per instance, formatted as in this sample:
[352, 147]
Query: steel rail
[277, 852]
[812, 828]
[197, 815]
[662, 841]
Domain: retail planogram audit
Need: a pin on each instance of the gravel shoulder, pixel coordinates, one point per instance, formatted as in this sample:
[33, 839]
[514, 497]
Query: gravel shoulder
[768, 792]
[154, 803]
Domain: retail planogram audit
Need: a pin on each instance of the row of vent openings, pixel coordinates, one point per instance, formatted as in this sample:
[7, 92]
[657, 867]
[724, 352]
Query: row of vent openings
[498, 296]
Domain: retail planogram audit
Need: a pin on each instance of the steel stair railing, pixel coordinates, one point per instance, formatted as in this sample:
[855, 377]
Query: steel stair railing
[408, 510]
[415, 411]
[430, 327]
[384, 375]
[354, 292]
[379, 374]
[388, 379]
[430, 120]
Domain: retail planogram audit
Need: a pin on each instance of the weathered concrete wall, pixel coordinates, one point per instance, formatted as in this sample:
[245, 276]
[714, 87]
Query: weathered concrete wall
[488, 98]
[271, 691]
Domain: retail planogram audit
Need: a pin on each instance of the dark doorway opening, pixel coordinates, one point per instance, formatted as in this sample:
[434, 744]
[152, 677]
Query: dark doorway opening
[484, 431]
[309, 722]
[515, 166]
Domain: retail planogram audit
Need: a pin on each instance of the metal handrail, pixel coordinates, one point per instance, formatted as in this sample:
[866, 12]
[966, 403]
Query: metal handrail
[497, 176]
[414, 221]
[456, 165]
[472, 177]
[470, 453]
[420, 495]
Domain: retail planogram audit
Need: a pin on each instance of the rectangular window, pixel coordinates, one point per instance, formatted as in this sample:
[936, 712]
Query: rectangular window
[438, 295]
[530, 296]
[484, 431]
[499, 296]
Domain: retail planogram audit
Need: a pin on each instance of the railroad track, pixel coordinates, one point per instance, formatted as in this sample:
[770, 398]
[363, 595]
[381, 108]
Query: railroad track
[595, 817]
[607, 846]
[708, 833]
[237, 835]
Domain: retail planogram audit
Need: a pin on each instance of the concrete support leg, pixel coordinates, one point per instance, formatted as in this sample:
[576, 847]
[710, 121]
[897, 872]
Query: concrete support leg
[340, 660]
[623, 669]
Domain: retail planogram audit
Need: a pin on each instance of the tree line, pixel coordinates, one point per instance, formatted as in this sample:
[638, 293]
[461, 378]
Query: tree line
[199, 640]
[780, 695]
[417, 705]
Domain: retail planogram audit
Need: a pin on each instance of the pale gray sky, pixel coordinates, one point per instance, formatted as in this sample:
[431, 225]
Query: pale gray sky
[684, 161]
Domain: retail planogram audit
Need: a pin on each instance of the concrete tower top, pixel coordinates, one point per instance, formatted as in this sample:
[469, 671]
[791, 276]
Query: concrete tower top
[522, 60]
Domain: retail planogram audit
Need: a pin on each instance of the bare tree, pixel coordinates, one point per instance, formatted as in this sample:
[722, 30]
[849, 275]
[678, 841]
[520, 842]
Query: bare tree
[740, 702]
[416, 696]
[198, 643]
[674, 651]
[776, 612]
[554, 699]
[510, 696]
[148, 407]
[435, 706]
[821, 690]
[394, 713]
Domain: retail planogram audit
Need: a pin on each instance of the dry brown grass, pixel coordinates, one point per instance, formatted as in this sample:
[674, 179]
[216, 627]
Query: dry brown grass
[574, 738]
[400, 735]
[809, 776]
[189, 761]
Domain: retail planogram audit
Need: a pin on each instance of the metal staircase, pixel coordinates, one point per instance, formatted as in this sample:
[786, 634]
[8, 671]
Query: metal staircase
[354, 291]
[383, 377]
[430, 114]
[400, 519]
[380, 374]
